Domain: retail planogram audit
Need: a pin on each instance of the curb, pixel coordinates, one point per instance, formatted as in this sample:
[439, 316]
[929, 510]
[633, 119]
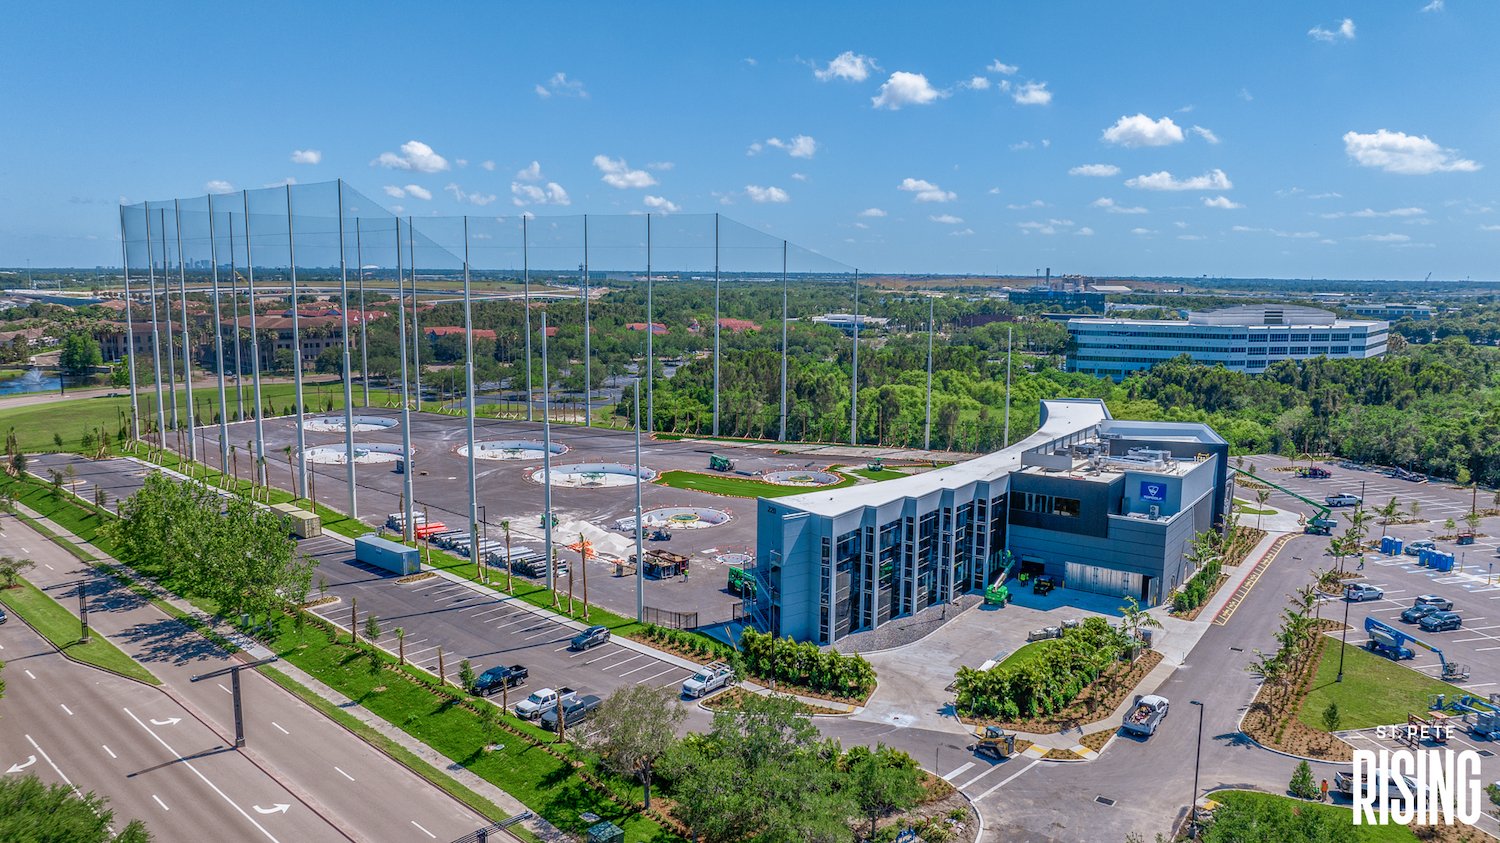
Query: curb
[65, 654]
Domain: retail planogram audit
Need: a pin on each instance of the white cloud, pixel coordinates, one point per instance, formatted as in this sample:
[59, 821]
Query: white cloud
[460, 196]
[1100, 170]
[1190, 237]
[1434, 6]
[1141, 231]
[801, 146]
[994, 191]
[661, 204]
[488, 165]
[1000, 67]
[766, 194]
[1398, 152]
[1489, 228]
[946, 219]
[1211, 180]
[977, 83]
[1085, 232]
[754, 148]
[618, 174]
[872, 212]
[1223, 203]
[1344, 31]
[1035, 203]
[1206, 134]
[1246, 95]
[1032, 93]
[1371, 213]
[560, 85]
[306, 156]
[219, 186]
[1140, 130]
[1386, 238]
[905, 89]
[462, 162]
[1048, 227]
[415, 155]
[962, 232]
[1180, 224]
[800, 176]
[395, 191]
[660, 166]
[1110, 205]
[848, 65]
[1329, 195]
[552, 193]
[531, 172]
[926, 191]
[1017, 147]
[283, 183]
[418, 191]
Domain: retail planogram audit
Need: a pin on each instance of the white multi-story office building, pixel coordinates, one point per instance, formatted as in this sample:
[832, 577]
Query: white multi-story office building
[1247, 338]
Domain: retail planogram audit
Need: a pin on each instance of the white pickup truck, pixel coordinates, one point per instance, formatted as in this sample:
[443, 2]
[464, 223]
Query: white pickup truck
[709, 678]
[1148, 713]
[542, 701]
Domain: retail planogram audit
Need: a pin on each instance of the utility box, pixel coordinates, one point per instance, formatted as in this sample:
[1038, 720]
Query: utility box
[299, 522]
[606, 832]
[387, 555]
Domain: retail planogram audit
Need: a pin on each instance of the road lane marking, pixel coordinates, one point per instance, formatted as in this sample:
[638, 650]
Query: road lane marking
[278, 725]
[423, 830]
[56, 769]
[950, 776]
[655, 676]
[1007, 780]
[205, 779]
[161, 803]
[49, 567]
[65, 708]
[344, 774]
[224, 689]
[110, 751]
[32, 675]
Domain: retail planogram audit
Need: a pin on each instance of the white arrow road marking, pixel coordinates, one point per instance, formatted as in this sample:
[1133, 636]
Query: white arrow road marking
[279, 807]
[171, 721]
[16, 768]
[56, 769]
[200, 775]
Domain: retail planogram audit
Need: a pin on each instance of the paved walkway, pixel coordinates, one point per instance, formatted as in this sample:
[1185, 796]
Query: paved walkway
[114, 622]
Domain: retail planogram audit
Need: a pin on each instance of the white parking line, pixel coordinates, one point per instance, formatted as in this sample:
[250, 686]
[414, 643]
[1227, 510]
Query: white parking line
[950, 776]
[110, 751]
[68, 710]
[655, 676]
[625, 661]
[278, 725]
[548, 631]
[344, 774]
[161, 803]
[637, 670]
[423, 830]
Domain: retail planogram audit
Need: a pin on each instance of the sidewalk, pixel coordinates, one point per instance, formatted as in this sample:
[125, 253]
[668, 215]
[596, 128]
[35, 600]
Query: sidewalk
[120, 620]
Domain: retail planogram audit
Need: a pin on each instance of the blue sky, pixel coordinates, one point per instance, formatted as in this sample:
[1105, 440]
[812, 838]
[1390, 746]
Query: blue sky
[1343, 140]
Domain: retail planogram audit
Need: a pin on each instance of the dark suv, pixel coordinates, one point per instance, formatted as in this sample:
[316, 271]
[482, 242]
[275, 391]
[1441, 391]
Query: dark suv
[1415, 613]
[589, 638]
[1441, 622]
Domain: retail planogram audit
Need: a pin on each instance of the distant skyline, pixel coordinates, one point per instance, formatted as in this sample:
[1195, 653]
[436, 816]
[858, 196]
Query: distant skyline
[1334, 140]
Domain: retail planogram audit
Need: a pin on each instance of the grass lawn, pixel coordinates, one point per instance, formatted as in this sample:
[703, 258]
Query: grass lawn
[736, 487]
[1027, 653]
[59, 626]
[1340, 814]
[874, 474]
[1375, 691]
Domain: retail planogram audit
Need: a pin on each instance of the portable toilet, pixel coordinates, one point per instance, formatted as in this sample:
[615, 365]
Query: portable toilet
[1445, 564]
[1397, 547]
[400, 466]
[1424, 557]
[1385, 545]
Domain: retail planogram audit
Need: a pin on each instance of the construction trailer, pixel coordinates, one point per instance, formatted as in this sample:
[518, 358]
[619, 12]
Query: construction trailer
[662, 564]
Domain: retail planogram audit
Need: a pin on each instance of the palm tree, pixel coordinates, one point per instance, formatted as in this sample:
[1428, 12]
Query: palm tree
[510, 585]
[1416, 509]
[292, 469]
[1134, 619]
[1387, 514]
[1261, 496]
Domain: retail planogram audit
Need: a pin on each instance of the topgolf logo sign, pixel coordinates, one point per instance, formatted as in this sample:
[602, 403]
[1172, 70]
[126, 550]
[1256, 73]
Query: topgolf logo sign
[1425, 787]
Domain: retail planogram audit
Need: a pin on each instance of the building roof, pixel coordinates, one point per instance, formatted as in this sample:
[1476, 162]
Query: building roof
[1060, 417]
[445, 330]
[657, 328]
[737, 325]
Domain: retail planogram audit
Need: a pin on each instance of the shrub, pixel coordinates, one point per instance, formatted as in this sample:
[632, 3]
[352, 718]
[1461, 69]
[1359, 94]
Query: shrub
[1303, 786]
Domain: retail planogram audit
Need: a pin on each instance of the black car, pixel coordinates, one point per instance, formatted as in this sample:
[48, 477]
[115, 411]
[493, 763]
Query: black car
[1441, 621]
[1043, 585]
[591, 637]
[493, 680]
[574, 713]
[1418, 612]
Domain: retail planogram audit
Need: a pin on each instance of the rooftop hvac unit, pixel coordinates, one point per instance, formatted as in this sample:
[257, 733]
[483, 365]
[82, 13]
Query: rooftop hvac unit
[1155, 512]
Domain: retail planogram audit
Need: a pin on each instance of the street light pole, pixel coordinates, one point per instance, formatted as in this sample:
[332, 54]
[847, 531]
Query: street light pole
[1197, 762]
[83, 610]
[234, 685]
[1344, 639]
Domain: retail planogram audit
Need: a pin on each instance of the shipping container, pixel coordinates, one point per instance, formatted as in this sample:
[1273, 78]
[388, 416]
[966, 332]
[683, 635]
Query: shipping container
[387, 555]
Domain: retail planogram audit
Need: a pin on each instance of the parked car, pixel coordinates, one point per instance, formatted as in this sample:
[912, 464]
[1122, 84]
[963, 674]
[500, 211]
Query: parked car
[502, 676]
[1418, 612]
[1359, 592]
[589, 638]
[574, 711]
[1343, 500]
[1043, 584]
[1441, 622]
[542, 701]
[709, 678]
[2, 616]
[1437, 601]
[1416, 547]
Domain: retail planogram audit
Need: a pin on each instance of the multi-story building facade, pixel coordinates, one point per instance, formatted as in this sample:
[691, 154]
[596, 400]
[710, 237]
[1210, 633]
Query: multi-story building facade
[1247, 338]
[1107, 506]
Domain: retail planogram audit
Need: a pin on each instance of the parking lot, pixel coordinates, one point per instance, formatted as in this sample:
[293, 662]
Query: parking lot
[1473, 585]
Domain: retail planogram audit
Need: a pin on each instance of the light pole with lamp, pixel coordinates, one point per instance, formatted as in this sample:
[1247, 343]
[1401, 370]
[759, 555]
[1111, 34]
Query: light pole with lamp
[1197, 762]
[1343, 639]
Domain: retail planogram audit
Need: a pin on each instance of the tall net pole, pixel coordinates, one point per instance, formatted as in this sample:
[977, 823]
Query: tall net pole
[213, 260]
[927, 427]
[135, 398]
[187, 351]
[469, 386]
[408, 530]
[547, 461]
[166, 300]
[364, 315]
[260, 432]
[416, 328]
[650, 339]
[640, 553]
[716, 324]
[161, 413]
[783, 341]
[526, 301]
[588, 356]
[348, 362]
[854, 371]
[291, 248]
[234, 303]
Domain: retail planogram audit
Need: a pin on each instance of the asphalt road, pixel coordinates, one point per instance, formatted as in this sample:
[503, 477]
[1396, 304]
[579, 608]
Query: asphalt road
[324, 772]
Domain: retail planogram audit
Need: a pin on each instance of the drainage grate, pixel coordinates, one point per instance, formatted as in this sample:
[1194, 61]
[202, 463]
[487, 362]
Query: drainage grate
[1105, 801]
[1236, 649]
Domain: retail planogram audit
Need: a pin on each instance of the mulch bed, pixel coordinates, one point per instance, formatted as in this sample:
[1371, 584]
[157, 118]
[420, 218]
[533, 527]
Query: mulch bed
[1282, 730]
[1106, 697]
[1056, 754]
[730, 697]
[1193, 613]
[1097, 740]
